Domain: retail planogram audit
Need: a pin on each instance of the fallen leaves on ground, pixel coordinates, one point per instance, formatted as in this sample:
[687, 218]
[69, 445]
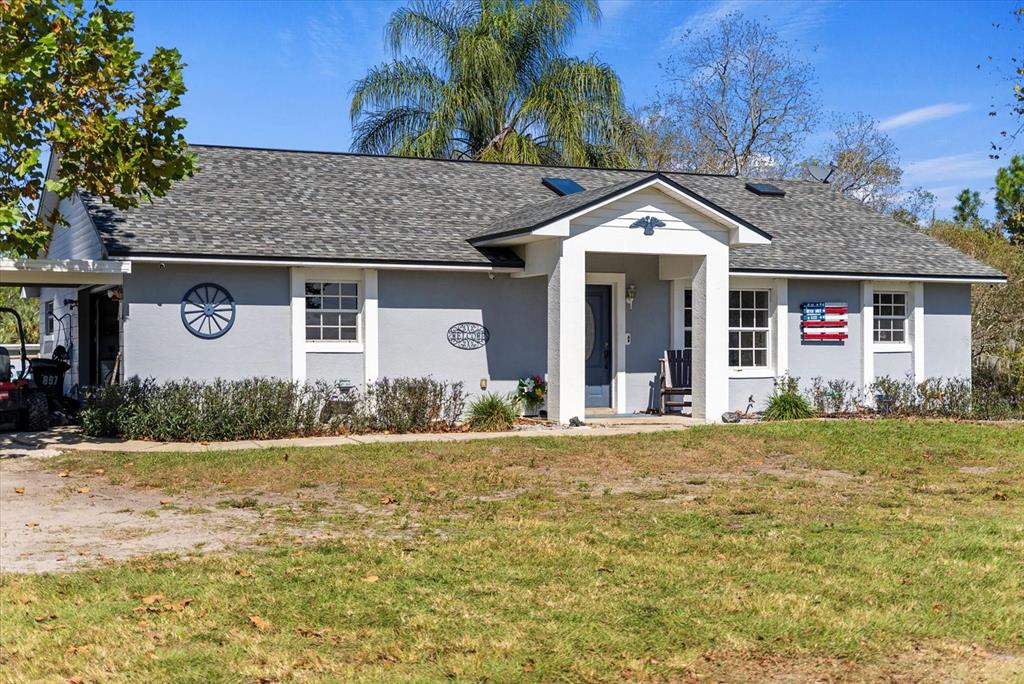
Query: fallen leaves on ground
[32, 523]
[19, 490]
[83, 490]
[64, 473]
[152, 598]
[180, 605]
[371, 578]
[259, 623]
[242, 572]
[388, 500]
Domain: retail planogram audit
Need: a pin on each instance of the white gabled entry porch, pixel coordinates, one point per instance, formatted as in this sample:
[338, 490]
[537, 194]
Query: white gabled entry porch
[690, 239]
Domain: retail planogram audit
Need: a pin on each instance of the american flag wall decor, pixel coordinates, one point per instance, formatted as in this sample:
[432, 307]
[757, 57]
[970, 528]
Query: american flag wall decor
[824, 321]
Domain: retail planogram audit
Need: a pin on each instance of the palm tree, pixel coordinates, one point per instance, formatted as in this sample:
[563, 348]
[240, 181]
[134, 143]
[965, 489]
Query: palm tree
[488, 80]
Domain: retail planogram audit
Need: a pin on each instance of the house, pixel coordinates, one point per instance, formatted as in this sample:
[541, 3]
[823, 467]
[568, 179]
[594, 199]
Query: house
[308, 265]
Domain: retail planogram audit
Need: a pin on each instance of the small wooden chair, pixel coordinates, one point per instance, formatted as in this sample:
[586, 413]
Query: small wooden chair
[677, 380]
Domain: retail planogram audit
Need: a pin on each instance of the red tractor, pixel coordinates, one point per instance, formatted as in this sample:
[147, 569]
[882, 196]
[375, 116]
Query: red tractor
[24, 405]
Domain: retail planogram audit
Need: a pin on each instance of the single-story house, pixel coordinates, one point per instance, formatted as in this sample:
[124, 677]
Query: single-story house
[310, 265]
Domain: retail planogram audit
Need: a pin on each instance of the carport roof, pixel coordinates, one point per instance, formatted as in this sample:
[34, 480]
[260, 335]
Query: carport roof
[62, 272]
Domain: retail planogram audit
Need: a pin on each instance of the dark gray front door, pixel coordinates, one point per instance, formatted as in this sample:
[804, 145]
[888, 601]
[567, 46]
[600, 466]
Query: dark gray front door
[598, 343]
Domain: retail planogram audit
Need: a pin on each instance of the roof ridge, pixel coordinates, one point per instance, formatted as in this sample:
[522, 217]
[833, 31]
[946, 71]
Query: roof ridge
[338, 153]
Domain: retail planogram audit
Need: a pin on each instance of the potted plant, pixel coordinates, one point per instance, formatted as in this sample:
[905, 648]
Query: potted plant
[531, 394]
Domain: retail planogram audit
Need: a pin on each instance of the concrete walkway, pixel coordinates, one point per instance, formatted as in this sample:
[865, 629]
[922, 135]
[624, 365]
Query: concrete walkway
[72, 439]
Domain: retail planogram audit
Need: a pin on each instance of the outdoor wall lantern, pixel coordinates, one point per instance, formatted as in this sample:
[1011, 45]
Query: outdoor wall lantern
[630, 295]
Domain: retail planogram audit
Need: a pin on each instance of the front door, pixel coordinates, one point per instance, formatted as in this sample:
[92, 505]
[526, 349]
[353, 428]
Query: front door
[598, 343]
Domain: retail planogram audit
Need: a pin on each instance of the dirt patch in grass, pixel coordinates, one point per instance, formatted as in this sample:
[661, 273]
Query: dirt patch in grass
[57, 520]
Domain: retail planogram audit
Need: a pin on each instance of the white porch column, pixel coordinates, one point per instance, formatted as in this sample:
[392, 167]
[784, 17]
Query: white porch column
[566, 363]
[711, 337]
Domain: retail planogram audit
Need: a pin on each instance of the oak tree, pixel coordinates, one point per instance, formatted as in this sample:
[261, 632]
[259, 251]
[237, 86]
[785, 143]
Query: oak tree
[75, 91]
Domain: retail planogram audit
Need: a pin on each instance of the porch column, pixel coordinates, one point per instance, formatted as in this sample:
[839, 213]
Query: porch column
[711, 337]
[566, 363]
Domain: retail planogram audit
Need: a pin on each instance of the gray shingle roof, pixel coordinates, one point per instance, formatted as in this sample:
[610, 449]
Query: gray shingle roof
[275, 204]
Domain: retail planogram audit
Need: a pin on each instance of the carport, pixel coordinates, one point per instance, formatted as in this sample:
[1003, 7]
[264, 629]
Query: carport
[62, 272]
[77, 287]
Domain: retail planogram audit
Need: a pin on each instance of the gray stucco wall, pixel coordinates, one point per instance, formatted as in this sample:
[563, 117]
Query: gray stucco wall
[156, 343]
[830, 360]
[947, 330]
[895, 365]
[807, 360]
[648, 322]
[417, 308]
[741, 389]
[332, 367]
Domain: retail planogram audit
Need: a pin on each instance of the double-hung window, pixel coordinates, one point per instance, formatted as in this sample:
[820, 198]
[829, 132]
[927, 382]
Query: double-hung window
[749, 328]
[332, 311]
[890, 319]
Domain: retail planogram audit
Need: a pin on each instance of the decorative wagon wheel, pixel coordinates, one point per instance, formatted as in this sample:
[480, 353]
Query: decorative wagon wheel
[208, 311]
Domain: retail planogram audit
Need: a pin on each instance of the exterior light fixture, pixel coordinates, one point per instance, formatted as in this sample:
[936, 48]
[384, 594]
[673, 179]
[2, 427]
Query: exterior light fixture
[630, 295]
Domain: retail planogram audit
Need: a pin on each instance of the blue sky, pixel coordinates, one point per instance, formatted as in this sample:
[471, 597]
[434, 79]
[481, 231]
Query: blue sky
[280, 74]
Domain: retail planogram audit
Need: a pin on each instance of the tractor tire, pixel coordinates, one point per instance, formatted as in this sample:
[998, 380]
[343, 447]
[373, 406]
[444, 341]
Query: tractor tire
[37, 415]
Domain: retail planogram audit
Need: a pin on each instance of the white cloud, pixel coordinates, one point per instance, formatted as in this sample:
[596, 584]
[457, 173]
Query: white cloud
[789, 19]
[943, 110]
[954, 167]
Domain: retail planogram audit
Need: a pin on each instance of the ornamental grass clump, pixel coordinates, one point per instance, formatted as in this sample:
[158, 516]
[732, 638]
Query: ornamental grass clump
[787, 403]
[492, 413]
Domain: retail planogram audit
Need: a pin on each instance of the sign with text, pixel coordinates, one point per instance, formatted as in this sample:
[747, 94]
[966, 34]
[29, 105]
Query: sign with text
[468, 335]
[824, 321]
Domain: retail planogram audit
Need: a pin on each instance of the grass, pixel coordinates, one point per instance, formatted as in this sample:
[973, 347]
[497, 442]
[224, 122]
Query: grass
[856, 549]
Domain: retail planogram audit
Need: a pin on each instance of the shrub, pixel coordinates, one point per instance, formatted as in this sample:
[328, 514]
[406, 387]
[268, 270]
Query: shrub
[833, 397]
[998, 389]
[411, 405]
[786, 402]
[492, 413]
[949, 397]
[267, 408]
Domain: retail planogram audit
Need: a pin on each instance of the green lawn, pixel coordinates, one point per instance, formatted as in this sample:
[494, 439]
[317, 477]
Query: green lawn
[845, 550]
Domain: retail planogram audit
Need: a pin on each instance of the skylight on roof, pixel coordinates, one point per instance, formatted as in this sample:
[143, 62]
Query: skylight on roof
[563, 186]
[766, 189]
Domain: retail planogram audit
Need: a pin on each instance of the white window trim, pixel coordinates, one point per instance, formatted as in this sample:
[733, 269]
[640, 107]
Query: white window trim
[340, 346]
[907, 345]
[768, 371]
[367, 321]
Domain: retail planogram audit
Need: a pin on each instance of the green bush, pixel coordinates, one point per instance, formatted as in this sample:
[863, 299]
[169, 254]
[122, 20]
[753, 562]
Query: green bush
[987, 397]
[833, 397]
[410, 405]
[786, 402]
[190, 410]
[267, 408]
[492, 413]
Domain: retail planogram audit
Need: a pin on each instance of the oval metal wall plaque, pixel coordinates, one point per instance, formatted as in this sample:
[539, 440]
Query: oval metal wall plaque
[208, 311]
[468, 335]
